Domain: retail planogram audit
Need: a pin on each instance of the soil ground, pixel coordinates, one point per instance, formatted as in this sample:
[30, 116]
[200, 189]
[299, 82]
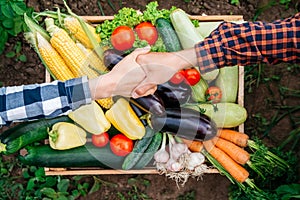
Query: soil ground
[211, 186]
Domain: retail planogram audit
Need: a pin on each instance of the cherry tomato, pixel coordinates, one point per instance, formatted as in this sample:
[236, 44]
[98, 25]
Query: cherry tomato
[100, 140]
[213, 94]
[146, 31]
[192, 76]
[178, 77]
[121, 145]
[122, 38]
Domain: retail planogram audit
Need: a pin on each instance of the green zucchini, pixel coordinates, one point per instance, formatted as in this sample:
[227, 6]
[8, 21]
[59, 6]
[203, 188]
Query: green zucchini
[168, 35]
[139, 147]
[83, 156]
[21, 135]
[185, 29]
[225, 115]
[150, 151]
[198, 91]
[228, 82]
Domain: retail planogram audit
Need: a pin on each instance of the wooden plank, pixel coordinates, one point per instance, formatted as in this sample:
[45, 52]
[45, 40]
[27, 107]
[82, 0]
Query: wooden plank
[54, 172]
[241, 94]
[99, 19]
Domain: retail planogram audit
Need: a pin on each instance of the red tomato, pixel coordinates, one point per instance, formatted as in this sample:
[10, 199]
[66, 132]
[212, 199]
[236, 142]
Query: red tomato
[213, 94]
[122, 38]
[100, 140]
[146, 31]
[192, 76]
[178, 77]
[121, 145]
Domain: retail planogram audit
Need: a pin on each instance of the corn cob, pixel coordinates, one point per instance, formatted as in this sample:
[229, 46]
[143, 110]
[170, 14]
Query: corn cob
[53, 60]
[94, 61]
[69, 51]
[73, 56]
[73, 25]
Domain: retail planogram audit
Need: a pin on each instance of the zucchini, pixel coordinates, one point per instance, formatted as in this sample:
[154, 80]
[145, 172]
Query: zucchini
[168, 35]
[228, 82]
[210, 76]
[205, 28]
[139, 147]
[21, 135]
[185, 29]
[198, 91]
[84, 156]
[225, 115]
[150, 151]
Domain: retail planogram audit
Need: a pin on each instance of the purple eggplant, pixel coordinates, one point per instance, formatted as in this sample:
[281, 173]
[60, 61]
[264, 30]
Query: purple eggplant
[139, 112]
[151, 103]
[111, 57]
[173, 96]
[186, 123]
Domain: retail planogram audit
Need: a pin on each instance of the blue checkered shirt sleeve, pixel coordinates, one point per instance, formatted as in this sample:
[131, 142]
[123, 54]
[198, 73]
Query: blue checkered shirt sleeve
[47, 100]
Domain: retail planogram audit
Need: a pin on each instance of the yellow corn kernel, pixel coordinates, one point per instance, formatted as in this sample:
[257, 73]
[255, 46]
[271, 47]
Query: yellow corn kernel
[106, 102]
[73, 25]
[53, 60]
[69, 51]
[93, 59]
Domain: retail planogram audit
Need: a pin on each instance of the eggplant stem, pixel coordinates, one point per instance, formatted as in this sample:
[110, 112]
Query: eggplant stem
[139, 106]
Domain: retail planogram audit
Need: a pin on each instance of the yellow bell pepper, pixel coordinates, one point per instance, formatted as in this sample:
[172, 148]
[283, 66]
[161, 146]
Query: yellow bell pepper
[124, 119]
[65, 135]
[91, 117]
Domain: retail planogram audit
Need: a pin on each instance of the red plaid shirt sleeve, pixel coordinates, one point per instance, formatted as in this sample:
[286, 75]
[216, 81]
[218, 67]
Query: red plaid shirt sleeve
[249, 43]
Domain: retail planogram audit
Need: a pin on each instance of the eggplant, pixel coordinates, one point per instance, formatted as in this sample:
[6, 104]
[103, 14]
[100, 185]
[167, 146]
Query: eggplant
[151, 103]
[139, 112]
[186, 123]
[111, 57]
[173, 96]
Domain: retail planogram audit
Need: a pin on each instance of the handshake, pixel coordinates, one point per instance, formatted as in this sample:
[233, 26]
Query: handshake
[139, 73]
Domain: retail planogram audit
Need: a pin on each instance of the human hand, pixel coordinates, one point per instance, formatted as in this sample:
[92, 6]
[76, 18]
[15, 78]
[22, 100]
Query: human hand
[122, 79]
[160, 67]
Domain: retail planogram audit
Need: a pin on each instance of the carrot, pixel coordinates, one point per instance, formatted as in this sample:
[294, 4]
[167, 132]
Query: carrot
[234, 151]
[239, 173]
[194, 146]
[238, 138]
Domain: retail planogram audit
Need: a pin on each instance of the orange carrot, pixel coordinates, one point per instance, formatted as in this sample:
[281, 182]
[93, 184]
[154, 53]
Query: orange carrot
[194, 146]
[238, 172]
[238, 138]
[234, 151]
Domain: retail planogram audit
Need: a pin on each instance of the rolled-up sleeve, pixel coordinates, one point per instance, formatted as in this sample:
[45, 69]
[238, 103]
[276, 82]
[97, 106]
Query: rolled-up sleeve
[250, 43]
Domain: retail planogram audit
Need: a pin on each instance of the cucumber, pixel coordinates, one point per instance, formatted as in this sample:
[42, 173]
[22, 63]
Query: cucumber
[21, 135]
[185, 29]
[228, 82]
[139, 147]
[168, 35]
[150, 151]
[84, 156]
[225, 115]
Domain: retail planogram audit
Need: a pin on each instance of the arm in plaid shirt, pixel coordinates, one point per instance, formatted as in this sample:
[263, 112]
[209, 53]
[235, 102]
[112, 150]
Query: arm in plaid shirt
[250, 43]
[42, 100]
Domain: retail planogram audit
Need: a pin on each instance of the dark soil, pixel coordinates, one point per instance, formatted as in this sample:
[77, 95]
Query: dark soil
[211, 186]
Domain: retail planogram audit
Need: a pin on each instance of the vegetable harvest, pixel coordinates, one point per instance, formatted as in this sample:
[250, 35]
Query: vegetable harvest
[185, 129]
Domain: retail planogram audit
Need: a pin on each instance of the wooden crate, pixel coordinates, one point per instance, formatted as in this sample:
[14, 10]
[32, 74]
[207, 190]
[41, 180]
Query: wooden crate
[149, 170]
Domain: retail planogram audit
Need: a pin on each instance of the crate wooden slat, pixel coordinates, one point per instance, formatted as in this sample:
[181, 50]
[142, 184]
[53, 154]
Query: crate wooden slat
[99, 19]
[151, 170]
